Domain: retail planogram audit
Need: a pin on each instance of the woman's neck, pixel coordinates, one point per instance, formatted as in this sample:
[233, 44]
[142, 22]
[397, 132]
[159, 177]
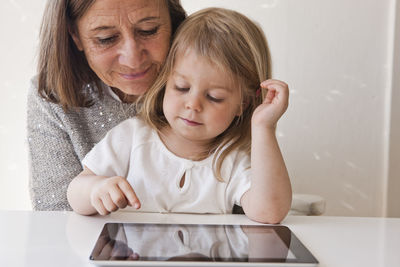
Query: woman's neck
[182, 147]
[125, 98]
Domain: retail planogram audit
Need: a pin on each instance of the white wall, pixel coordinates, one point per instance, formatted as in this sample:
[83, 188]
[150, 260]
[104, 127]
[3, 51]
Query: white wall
[336, 57]
[393, 167]
[19, 26]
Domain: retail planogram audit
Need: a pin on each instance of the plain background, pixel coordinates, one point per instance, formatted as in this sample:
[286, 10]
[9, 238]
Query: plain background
[340, 135]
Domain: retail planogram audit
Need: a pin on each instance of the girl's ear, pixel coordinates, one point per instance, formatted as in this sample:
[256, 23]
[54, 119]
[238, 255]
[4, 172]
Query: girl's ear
[76, 39]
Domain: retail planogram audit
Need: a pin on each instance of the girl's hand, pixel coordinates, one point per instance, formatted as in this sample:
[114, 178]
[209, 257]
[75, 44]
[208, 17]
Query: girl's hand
[111, 194]
[274, 104]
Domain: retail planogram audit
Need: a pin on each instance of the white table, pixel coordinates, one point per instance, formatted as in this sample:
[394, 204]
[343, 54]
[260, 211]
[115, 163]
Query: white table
[43, 238]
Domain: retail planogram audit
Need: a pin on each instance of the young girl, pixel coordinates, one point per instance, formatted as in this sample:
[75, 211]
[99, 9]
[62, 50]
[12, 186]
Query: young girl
[204, 139]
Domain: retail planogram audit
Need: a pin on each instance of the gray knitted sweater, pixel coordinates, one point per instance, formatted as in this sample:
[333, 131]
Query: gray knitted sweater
[59, 140]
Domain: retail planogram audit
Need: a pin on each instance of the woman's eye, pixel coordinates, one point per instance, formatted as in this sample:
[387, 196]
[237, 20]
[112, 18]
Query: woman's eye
[107, 40]
[214, 99]
[148, 32]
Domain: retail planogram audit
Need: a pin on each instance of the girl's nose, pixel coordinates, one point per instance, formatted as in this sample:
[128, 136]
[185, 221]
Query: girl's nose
[193, 102]
[131, 53]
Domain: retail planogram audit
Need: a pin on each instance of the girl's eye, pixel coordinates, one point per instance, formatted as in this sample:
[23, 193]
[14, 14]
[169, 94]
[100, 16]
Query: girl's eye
[150, 32]
[107, 40]
[182, 89]
[214, 99]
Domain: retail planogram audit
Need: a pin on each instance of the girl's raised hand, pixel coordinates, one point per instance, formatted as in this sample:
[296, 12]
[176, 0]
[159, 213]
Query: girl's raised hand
[274, 104]
[111, 194]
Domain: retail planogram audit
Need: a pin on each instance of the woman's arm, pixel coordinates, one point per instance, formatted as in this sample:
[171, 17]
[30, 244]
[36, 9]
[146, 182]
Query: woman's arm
[52, 157]
[269, 197]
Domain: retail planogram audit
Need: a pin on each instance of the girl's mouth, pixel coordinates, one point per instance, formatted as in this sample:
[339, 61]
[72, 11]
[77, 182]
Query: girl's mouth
[191, 123]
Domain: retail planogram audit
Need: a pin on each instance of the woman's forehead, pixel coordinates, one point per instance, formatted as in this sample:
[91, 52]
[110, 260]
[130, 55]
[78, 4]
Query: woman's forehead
[114, 11]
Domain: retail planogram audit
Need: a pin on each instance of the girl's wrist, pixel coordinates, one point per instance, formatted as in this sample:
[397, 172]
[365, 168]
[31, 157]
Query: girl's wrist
[264, 129]
[262, 135]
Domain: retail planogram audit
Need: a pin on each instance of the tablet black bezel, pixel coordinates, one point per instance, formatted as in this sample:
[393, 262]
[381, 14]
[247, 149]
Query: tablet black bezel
[302, 254]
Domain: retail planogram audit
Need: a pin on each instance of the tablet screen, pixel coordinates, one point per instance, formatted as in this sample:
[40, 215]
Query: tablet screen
[132, 242]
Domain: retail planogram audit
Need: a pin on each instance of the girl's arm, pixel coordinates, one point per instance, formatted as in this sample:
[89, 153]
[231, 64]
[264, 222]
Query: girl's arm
[269, 198]
[89, 194]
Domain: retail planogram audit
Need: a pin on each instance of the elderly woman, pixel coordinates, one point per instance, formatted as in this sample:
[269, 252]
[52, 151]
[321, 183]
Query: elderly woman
[96, 57]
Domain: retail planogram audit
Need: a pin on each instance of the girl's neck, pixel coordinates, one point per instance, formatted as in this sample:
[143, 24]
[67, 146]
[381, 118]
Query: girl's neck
[182, 147]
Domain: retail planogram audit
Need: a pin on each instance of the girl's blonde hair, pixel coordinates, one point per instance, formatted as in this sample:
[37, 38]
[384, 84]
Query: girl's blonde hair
[233, 43]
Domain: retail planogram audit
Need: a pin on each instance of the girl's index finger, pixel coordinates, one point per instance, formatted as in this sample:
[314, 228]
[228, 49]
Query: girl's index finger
[270, 96]
[278, 88]
[129, 193]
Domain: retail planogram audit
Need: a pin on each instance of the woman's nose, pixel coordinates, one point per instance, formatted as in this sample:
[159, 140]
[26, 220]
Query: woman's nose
[131, 53]
[193, 102]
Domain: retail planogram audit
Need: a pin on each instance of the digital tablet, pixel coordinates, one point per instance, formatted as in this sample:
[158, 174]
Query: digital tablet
[138, 244]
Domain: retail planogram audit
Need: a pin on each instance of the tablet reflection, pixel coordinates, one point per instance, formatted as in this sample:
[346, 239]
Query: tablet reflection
[109, 248]
[155, 242]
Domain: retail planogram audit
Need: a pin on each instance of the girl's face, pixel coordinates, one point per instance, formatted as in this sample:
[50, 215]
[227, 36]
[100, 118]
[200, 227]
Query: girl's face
[125, 42]
[200, 100]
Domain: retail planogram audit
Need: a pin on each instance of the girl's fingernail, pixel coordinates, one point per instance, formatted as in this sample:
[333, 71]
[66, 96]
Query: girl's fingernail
[136, 205]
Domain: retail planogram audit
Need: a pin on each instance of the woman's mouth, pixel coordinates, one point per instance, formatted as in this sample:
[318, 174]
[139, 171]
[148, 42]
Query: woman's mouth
[134, 76]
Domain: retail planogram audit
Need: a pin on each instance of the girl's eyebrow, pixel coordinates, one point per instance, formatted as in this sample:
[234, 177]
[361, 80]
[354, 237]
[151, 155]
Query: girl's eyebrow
[179, 74]
[221, 87]
[212, 86]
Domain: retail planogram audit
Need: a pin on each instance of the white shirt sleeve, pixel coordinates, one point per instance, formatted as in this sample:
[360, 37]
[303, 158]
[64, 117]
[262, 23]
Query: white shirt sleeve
[240, 179]
[111, 156]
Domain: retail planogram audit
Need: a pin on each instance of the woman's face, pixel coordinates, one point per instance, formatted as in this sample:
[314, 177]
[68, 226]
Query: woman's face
[125, 42]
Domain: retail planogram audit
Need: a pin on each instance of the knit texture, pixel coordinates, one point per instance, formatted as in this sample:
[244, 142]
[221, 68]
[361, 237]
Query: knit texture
[59, 140]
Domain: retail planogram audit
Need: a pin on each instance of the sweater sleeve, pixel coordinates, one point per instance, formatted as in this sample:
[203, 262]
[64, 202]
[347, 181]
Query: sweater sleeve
[52, 158]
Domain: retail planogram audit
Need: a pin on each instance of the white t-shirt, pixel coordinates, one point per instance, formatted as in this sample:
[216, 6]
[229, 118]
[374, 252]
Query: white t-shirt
[134, 150]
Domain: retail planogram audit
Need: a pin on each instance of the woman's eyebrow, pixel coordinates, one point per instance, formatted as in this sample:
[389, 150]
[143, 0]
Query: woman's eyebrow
[104, 27]
[148, 18]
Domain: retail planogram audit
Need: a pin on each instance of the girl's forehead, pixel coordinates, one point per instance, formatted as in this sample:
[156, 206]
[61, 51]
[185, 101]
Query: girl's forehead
[183, 53]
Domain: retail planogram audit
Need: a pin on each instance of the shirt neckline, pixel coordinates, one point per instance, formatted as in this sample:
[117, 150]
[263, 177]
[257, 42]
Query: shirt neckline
[187, 162]
[110, 92]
